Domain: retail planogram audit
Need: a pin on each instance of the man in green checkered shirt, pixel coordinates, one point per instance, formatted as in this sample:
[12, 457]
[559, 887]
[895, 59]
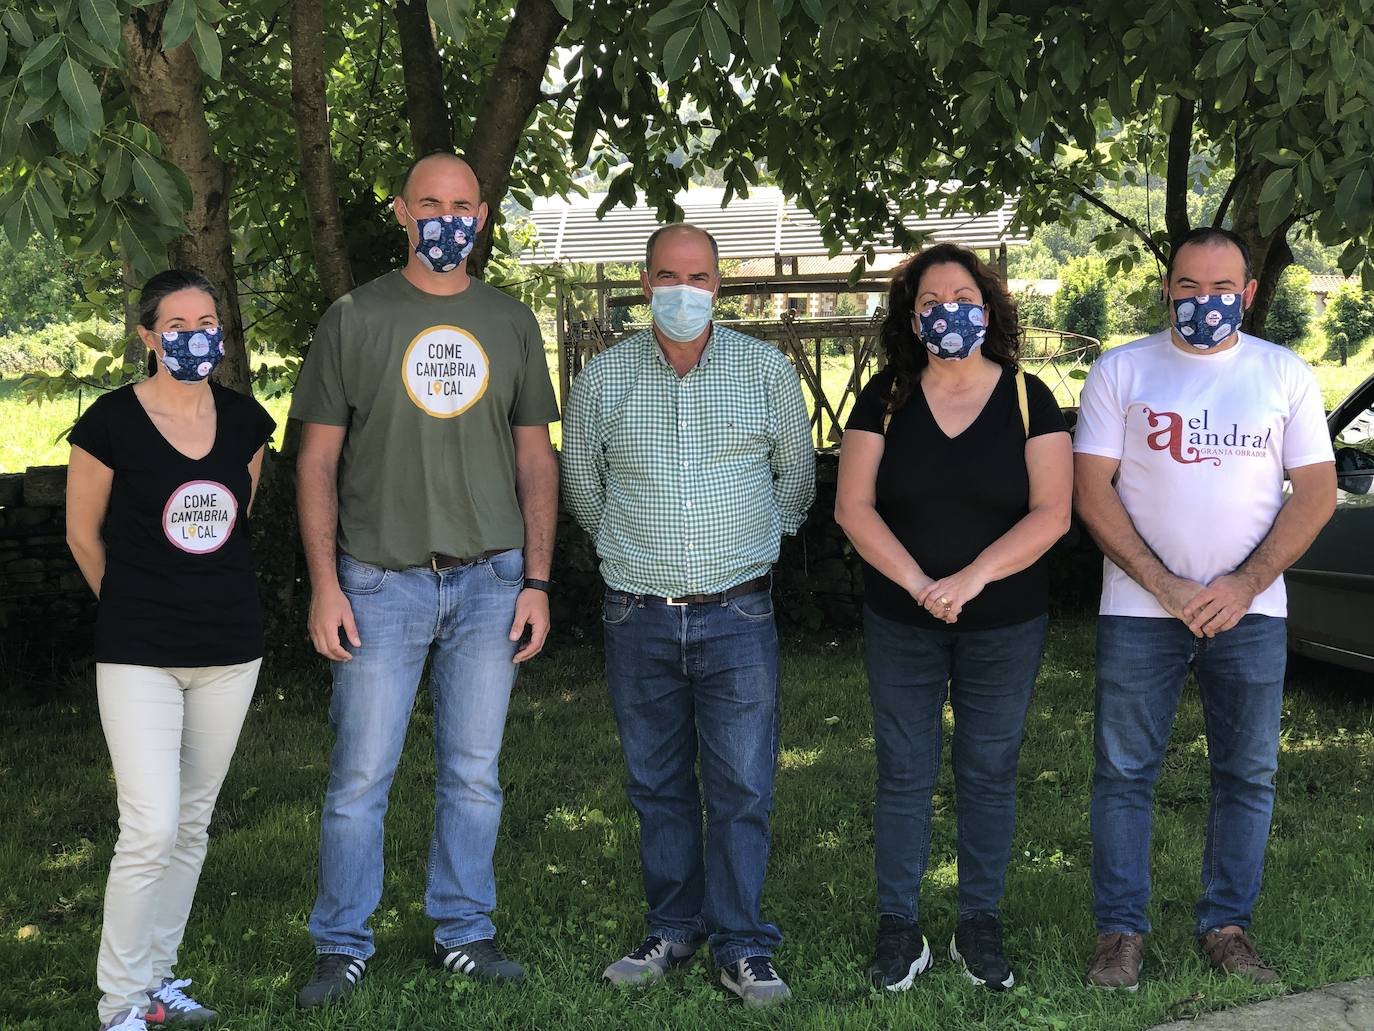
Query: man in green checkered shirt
[686, 455]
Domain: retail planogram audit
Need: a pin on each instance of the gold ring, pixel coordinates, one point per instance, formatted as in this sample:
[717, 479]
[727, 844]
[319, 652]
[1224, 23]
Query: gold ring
[944, 602]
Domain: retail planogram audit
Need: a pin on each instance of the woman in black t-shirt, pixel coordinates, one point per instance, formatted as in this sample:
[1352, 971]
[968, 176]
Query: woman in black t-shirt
[160, 482]
[955, 479]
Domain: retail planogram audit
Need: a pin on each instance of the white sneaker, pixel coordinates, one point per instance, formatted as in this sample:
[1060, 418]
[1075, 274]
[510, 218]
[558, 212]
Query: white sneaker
[131, 1021]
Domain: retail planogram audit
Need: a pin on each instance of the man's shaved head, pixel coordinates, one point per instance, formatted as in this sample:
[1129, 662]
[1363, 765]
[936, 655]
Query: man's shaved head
[673, 230]
[437, 159]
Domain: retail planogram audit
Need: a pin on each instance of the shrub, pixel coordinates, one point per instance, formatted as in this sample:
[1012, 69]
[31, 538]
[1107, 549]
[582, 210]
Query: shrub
[1290, 312]
[1349, 310]
[1080, 306]
[1134, 302]
[1033, 309]
[53, 348]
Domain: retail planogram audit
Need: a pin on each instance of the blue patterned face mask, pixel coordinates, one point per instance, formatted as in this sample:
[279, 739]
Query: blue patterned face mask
[192, 354]
[444, 240]
[1208, 320]
[681, 311]
[952, 330]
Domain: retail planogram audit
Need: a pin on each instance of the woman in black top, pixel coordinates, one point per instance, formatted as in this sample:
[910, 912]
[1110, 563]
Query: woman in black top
[160, 482]
[955, 479]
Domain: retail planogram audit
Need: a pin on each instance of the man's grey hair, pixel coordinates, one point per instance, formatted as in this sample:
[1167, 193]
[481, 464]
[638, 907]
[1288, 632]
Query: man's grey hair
[673, 227]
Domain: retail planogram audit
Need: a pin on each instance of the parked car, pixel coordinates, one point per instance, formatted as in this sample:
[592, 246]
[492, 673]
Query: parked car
[1331, 588]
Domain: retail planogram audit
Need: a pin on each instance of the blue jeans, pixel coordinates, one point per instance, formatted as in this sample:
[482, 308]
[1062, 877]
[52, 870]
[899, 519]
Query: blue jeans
[1142, 663]
[699, 679]
[460, 620]
[989, 676]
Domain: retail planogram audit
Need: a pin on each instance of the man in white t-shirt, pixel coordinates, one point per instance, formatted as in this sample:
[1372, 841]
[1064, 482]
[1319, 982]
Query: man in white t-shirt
[1183, 443]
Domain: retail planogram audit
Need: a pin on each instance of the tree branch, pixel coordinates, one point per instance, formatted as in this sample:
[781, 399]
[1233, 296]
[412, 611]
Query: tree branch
[1176, 177]
[426, 104]
[1123, 219]
[1226, 199]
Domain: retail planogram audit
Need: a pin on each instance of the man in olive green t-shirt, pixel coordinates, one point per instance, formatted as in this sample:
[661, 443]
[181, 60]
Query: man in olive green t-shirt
[428, 498]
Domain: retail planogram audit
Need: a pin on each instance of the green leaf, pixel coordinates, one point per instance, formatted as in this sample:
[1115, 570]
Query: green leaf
[205, 45]
[71, 132]
[564, 9]
[1230, 54]
[100, 232]
[1035, 112]
[36, 107]
[4, 46]
[717, 38]
[38, 209]
[666, 19]
[451, 16]
[19, 27]
[156, 187]
[1290, 82]
[101, 19]
[728, 10]
[1279, 182]
[680, 53]
[44, 54]
[1355, 197]
[19, 224]
[78, 90]
[762, 33]
[1275, 200]
[178, 23]
[118, 175]
[147, 256]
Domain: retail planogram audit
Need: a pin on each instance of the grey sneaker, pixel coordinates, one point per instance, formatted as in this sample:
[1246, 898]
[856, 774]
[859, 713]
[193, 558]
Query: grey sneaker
[335, 977]
[169, 1004]
[756, 982]
[649, 962]
[131, 1021]
[479, 960]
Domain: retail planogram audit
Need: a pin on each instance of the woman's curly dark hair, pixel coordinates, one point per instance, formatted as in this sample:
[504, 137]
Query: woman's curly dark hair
[906, 355]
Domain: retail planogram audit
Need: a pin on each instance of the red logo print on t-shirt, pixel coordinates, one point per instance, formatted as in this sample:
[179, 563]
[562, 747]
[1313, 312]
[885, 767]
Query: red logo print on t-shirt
[1170, 439]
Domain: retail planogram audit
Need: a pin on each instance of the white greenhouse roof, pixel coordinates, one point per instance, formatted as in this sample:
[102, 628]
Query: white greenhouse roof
[763, 224]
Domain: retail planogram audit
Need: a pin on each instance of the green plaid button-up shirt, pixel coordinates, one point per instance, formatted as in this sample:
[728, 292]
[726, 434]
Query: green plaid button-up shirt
[687, 484]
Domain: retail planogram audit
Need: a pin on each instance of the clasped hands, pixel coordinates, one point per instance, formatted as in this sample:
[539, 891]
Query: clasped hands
[1211, 609]
[945, 598]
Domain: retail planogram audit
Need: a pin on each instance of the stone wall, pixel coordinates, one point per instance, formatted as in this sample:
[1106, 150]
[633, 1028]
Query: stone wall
[44, 603]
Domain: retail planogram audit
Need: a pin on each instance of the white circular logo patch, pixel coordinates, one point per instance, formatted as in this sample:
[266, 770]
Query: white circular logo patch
[445, 371]
[200, 516]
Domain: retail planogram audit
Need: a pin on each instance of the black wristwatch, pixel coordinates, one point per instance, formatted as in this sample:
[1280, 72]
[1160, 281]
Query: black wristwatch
[538, 585]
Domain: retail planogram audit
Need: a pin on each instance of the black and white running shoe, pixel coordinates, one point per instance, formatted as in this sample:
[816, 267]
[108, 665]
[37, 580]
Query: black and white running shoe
[902, 954]
[479, 960]
[977, 948]
[335, 977]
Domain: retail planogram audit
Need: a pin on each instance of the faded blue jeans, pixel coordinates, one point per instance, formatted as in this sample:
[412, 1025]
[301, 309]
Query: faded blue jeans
[988, 677]
[460, 618]
[699, 680]
[1142, 663]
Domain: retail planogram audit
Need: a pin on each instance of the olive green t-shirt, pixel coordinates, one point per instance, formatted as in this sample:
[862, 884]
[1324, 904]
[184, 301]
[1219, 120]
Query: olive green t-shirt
[429, 388]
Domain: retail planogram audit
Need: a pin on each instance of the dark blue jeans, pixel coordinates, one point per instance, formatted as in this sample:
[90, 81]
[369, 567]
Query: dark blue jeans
[988, 676]
[1142, 663]
[689, 680]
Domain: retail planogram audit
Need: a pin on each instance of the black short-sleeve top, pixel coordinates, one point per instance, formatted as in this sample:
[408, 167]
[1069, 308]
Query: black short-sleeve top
[179, 588]
[946, 499]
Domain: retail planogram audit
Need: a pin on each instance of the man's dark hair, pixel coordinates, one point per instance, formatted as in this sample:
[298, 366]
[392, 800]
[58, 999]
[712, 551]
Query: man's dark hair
[653, 239]
[442, 152]
[1207, 236]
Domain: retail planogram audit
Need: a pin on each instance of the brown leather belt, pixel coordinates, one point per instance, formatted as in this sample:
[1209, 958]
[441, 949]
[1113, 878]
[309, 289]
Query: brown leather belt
[438, 562]
[759, 583]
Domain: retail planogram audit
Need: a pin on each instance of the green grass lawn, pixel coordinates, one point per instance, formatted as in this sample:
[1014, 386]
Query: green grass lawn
[568, 871]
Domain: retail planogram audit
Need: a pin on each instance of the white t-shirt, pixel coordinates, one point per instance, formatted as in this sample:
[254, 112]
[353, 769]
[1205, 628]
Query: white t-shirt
[1203, 441]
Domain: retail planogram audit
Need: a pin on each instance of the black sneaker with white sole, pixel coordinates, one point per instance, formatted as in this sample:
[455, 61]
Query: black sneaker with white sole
[479, 960]
[902, 954]
[977, 948]
[334, 978]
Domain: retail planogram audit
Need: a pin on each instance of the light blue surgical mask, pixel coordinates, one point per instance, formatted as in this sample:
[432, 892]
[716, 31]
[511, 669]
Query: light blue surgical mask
[1208, 320]
[681, 312]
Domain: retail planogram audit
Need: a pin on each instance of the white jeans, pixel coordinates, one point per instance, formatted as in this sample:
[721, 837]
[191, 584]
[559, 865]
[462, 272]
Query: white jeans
[171, 733]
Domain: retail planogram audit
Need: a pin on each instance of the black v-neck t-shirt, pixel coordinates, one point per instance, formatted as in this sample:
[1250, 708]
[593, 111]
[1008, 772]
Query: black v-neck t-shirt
[179, 588]
[946, 499]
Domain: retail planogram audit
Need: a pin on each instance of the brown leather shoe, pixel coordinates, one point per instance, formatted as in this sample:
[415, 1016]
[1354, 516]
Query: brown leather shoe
[1117, 961]
[1232, 952]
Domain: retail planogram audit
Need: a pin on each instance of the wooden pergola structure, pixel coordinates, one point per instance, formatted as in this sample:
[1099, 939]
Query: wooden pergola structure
[788, 240]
